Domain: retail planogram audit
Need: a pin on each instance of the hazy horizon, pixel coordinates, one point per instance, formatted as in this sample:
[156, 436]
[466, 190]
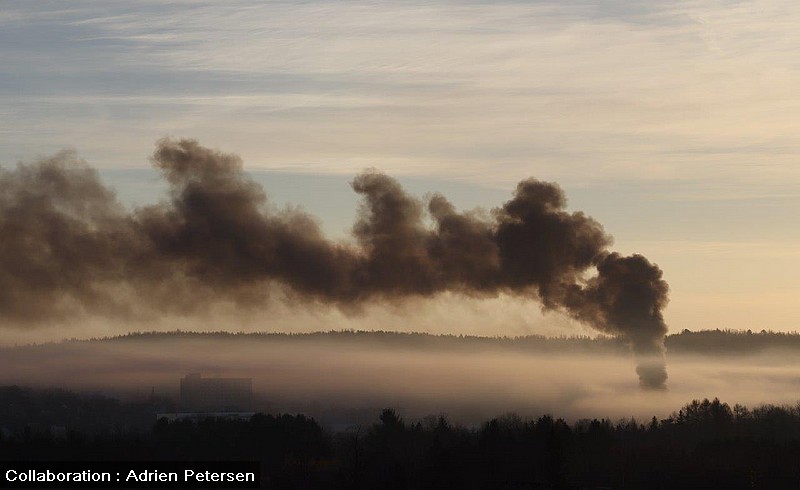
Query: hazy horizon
[327, 375]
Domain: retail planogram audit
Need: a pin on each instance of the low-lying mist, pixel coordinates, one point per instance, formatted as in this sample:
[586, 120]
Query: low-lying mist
[336, 378]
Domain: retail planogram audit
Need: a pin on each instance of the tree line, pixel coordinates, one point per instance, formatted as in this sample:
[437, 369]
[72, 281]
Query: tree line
[709, 342]
[705, 444]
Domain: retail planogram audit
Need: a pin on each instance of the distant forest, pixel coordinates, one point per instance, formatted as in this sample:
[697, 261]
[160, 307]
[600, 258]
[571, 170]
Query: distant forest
[714, 342]
[705, 444]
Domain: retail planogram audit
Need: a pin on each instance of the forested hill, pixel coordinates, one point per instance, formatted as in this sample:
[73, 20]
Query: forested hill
[709, 342]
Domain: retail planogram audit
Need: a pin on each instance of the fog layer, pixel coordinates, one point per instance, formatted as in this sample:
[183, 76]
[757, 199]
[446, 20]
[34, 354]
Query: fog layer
[468, 383]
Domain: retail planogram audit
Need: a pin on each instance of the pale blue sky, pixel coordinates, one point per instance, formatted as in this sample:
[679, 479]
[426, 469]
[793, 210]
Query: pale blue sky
[673, 123]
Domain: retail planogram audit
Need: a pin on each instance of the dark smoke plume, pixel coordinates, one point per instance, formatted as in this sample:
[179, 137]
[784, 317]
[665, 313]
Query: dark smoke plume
[68, 248]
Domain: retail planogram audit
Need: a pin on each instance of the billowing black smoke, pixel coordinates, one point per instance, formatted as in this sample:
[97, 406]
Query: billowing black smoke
[67, 247]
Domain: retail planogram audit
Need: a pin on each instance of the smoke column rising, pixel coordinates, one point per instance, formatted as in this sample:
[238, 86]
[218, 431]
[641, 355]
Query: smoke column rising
[68, 248]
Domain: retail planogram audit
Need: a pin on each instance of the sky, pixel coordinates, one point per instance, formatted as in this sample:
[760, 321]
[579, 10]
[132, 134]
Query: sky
[673, 123]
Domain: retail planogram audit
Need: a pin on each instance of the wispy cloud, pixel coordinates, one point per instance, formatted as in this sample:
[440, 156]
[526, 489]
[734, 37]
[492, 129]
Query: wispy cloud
[566, 90]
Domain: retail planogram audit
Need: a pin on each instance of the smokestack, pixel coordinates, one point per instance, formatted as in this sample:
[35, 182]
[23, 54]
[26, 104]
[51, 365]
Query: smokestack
[69, 248]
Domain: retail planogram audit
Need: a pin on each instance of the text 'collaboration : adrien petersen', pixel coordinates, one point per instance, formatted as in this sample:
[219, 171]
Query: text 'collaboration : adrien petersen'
[87, 476]
[137, 474]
